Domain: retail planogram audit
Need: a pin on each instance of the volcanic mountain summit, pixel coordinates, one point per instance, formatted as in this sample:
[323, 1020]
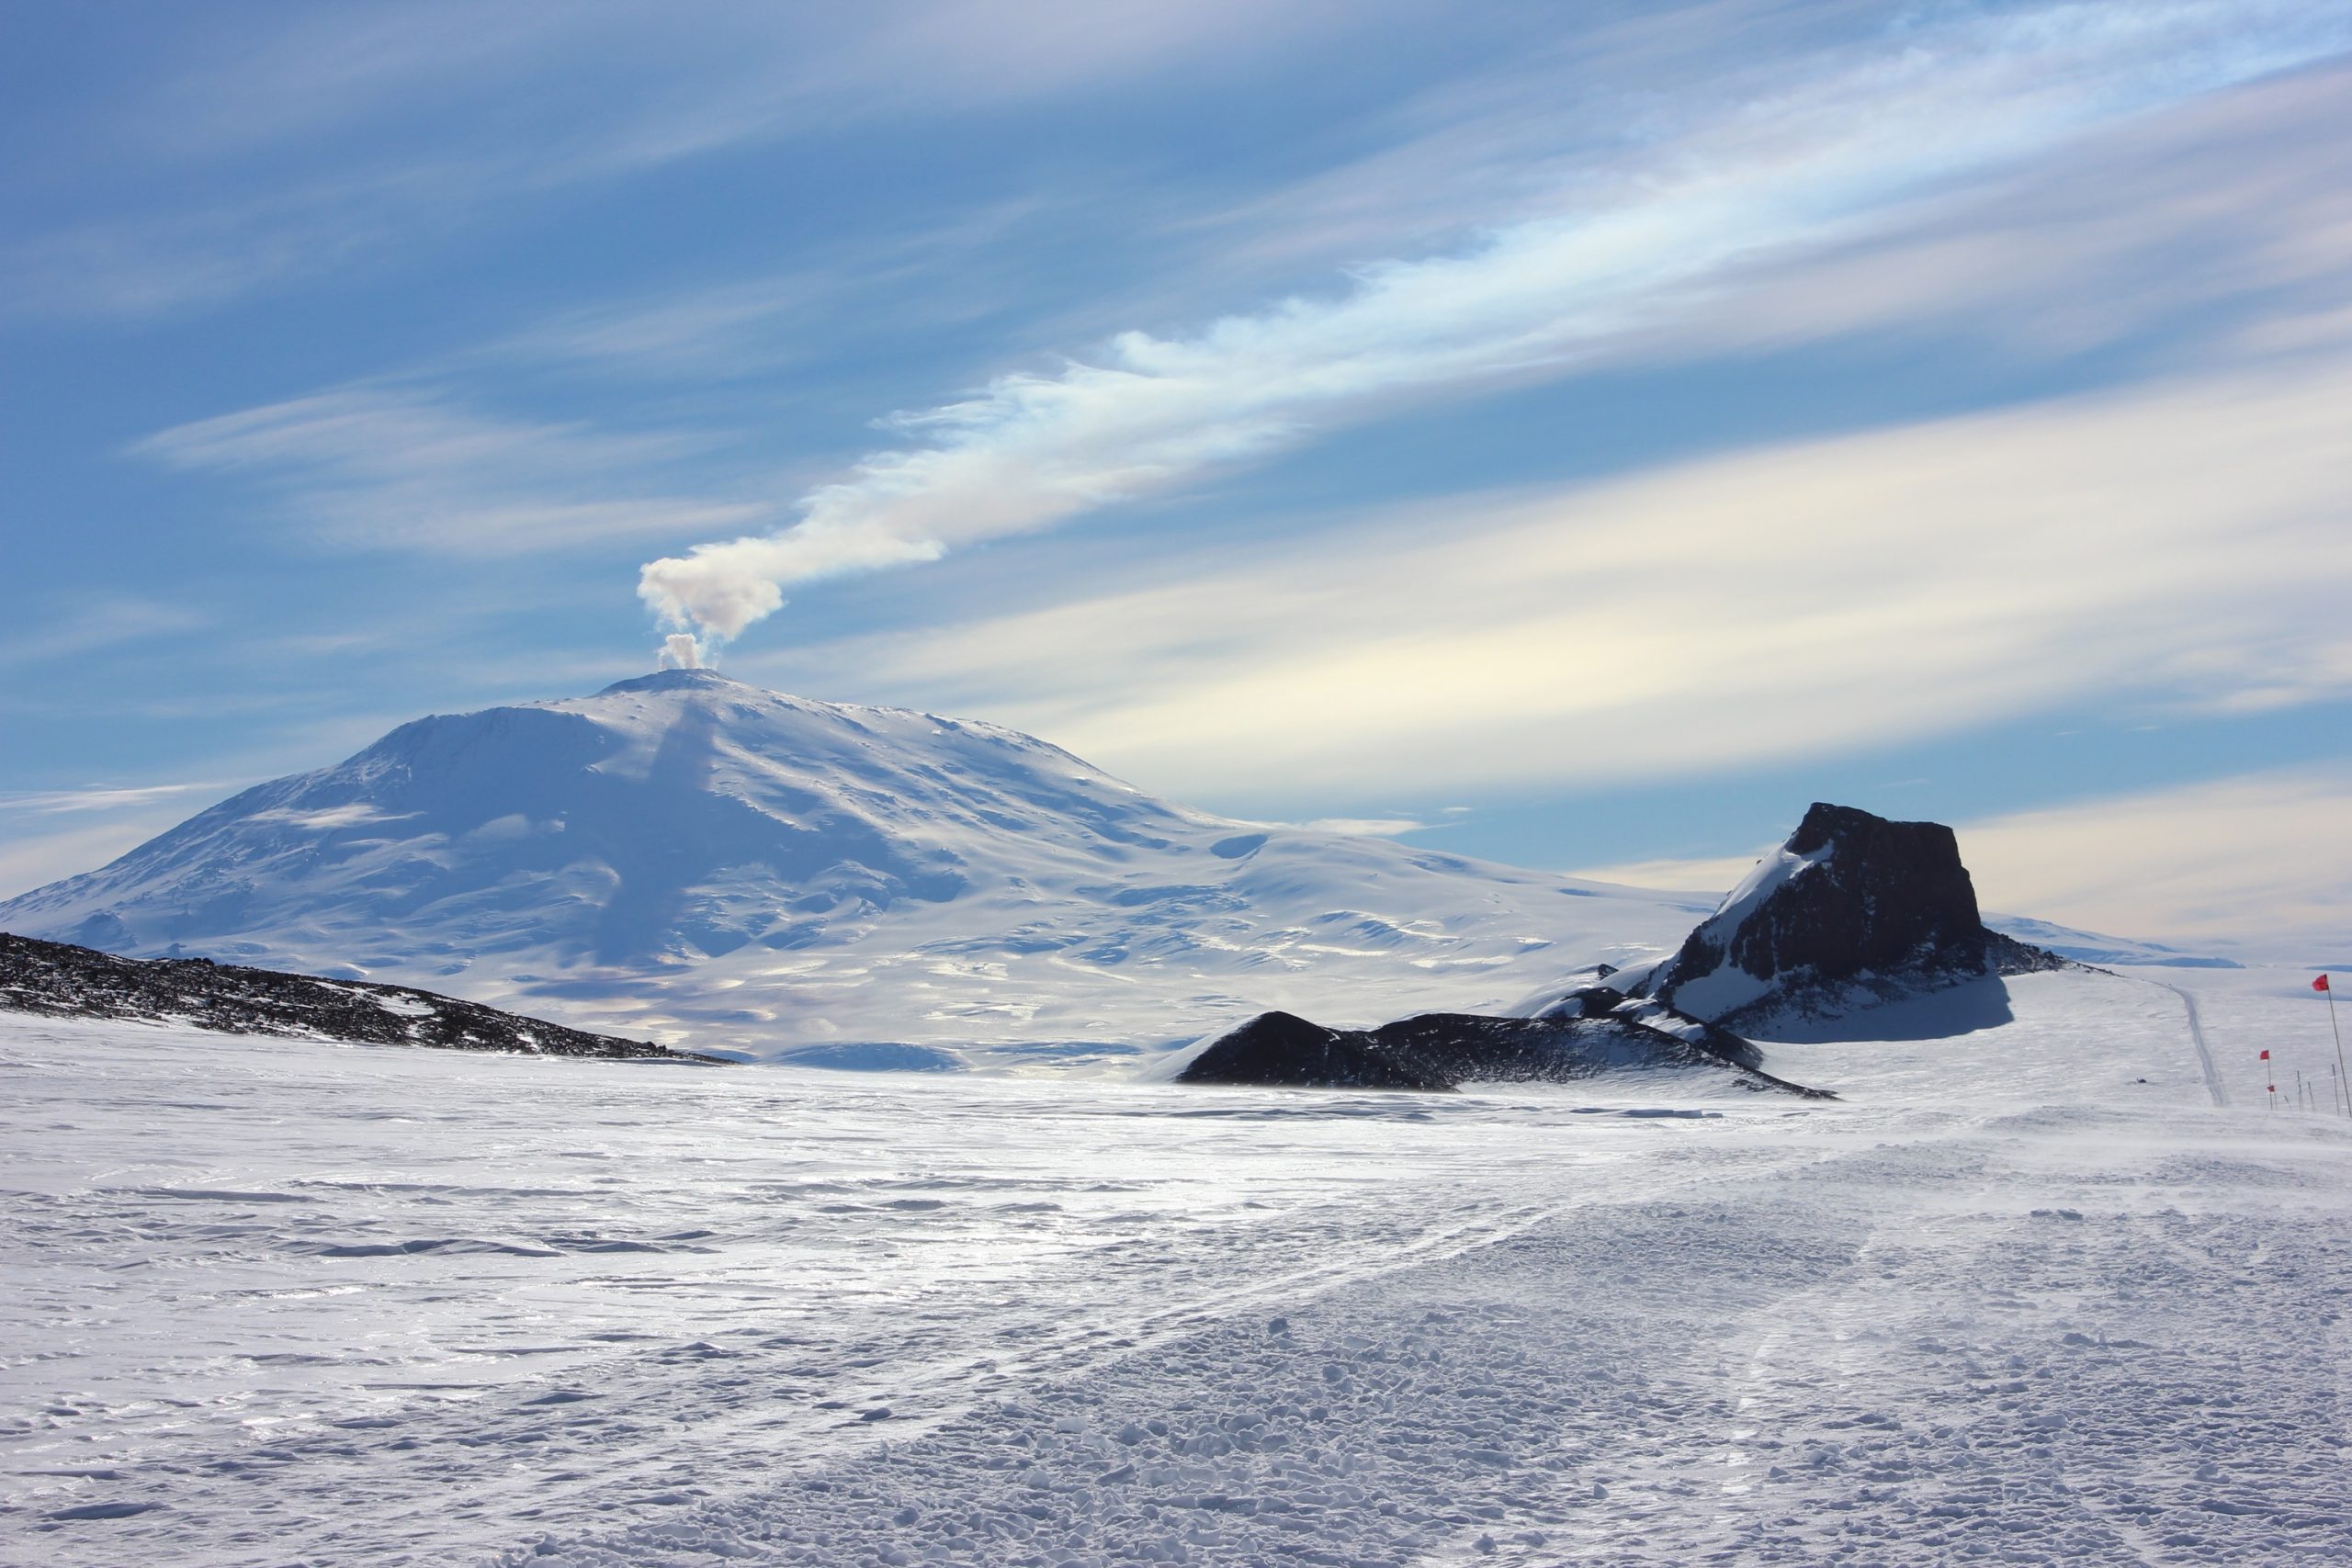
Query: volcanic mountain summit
[688, 856]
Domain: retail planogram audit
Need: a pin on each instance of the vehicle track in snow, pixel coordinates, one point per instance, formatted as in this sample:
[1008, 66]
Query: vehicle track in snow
[2197, 1036]
[1942, 1342]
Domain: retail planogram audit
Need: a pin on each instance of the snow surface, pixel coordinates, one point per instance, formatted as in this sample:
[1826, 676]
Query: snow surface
[693, 859]
[2096, 947]
[2027, 1294]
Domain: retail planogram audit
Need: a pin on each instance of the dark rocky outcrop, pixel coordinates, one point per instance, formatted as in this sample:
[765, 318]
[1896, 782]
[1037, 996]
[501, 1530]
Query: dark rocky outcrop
[1441, 1051]
[1851, 910]
[63, 981]
[1281, 1048]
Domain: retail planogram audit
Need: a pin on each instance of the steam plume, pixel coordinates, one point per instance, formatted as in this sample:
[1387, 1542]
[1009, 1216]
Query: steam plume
[1822, 160]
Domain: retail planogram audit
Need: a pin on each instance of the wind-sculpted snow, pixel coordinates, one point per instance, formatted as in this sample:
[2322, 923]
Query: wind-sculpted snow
[2024, 1295]
[719, 866]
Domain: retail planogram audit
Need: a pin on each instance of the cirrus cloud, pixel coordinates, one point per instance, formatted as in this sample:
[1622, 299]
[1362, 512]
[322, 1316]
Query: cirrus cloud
[1824, 160]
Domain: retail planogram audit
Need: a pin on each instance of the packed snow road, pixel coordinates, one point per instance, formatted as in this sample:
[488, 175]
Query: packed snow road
[277, 1304]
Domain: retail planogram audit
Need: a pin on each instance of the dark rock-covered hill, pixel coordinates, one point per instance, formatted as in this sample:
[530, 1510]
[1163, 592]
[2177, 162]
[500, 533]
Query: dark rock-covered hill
[1596, 1032]
[63, 981]
[1852, 911]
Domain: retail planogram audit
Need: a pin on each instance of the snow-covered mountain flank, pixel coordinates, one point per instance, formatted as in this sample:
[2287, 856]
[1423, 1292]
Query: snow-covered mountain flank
[719, 866]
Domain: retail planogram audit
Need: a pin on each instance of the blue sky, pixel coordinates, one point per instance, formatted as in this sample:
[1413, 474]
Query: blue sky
[1587, 434]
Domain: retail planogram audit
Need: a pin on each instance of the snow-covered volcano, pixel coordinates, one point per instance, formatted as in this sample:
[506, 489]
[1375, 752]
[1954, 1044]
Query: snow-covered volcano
[724, 867]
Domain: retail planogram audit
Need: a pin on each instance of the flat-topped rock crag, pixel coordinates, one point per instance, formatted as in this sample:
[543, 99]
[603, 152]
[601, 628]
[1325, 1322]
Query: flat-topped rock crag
[1852, 911]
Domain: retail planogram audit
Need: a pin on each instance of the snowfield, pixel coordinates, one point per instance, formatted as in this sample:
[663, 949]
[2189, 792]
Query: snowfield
[2027, 1294]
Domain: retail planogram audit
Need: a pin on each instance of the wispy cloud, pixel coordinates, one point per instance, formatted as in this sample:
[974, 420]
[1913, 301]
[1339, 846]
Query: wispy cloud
[86, 623]
[1822, 160]
[2179, 544]
[2225, 224]
[2248, 865]
[37, 860]
[907, 284]
[344, 137]
[97, 797]
[47, 834]
[382, 466]
[719, 331]
[744, 70]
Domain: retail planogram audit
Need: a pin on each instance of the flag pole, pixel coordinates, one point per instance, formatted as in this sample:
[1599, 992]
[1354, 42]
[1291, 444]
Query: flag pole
[2333, 1028]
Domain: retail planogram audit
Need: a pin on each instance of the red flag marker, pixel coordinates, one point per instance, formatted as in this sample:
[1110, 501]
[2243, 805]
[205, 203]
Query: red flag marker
[2321, 983]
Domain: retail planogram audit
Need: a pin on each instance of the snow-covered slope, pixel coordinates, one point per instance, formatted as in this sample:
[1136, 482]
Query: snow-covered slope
[721, 866]
[2098, 947]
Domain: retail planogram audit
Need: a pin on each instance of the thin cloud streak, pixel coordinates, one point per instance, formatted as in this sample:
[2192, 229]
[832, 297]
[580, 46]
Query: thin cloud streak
[372, 467]
[1822, 162]
[351, 138]
[97, 797]
[1855, 593]
[87, 622]
[2245, 866]
[38, 860]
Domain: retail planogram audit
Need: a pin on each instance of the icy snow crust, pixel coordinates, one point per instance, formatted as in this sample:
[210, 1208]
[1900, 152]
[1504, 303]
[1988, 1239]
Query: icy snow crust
[2026, 1294]
[715, 866]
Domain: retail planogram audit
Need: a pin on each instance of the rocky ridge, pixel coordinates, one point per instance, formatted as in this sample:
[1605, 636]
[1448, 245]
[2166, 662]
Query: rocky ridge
[60, 980]
[1594, 1031]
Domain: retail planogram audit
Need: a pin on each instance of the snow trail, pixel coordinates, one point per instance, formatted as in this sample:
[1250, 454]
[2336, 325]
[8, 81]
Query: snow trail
[2196, 1035]
[1902, 1365]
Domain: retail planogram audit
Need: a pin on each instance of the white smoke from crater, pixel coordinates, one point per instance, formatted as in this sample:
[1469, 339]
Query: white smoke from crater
[680, 650]
[1822, 160]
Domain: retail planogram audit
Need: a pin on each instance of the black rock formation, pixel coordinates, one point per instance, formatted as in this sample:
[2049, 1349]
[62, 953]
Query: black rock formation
[62, 981]
[1283, 1048]
[1852, 909]
[1589, 1033]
